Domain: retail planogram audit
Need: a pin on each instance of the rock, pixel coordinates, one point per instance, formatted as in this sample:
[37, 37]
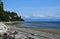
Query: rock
[5, 36]
[3, 28]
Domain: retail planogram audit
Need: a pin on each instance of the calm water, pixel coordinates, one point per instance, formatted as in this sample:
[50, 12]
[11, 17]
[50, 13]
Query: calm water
[51, 25]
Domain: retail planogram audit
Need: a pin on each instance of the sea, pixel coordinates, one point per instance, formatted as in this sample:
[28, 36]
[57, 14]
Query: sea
[45, 25]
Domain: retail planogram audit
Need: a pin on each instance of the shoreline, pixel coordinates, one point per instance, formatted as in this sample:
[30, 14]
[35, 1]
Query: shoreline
[52, 31]
[34, 33]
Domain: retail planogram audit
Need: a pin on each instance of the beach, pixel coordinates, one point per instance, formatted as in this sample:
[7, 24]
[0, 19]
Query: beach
[31, 33]
[24, 32]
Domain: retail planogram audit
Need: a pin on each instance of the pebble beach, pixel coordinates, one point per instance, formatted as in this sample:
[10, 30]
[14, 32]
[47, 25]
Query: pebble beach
[27, 33]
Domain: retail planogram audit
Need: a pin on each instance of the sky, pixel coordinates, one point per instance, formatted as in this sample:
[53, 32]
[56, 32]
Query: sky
[34, 9]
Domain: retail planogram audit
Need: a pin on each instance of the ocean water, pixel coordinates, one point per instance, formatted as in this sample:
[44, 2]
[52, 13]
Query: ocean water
[46, 25]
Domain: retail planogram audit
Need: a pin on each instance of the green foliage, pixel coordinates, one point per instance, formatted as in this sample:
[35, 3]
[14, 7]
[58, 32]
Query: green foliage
[13, 16]
[4, 17]
[8, 16]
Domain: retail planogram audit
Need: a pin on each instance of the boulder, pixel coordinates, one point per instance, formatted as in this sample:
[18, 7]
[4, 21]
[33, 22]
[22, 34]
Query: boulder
[3, 28]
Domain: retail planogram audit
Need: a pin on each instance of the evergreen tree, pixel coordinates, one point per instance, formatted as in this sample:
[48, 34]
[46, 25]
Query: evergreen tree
[7, 15]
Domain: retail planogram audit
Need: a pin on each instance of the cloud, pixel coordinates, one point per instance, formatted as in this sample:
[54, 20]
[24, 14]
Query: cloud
[38, 15]
[25, 16]
[51, 16]
[57, 16]
[44, 16]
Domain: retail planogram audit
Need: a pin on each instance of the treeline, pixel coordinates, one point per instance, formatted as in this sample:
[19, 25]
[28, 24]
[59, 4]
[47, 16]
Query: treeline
[10, 16]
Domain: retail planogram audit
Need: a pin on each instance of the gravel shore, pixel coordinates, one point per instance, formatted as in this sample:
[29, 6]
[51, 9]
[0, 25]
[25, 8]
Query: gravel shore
[26, 33]
[33, 34]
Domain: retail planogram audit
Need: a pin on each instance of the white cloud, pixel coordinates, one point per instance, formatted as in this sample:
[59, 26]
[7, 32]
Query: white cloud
[46, 16]
[50, 16]
[26, 16]
[38, 15]
[57, 16]
[53, 16]
[42, 16]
